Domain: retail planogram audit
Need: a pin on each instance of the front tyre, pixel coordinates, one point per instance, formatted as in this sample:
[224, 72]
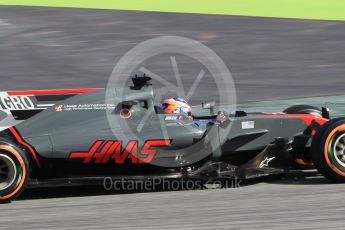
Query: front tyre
[14, 172]
[328, 150]
[303, 109]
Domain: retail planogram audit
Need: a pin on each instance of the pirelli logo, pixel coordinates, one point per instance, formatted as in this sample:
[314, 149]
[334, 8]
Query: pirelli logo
[16, 103]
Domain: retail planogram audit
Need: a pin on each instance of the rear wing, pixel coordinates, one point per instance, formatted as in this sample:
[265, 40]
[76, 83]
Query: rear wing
[17, 106]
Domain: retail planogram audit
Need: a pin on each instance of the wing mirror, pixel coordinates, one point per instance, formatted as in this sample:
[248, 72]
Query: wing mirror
[325, 113]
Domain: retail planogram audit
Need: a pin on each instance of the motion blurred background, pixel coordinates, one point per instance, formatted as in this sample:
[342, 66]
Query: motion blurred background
[269, 58]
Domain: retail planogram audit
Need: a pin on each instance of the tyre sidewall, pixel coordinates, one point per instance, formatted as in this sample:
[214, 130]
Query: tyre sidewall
[321, 159]
[22, 164]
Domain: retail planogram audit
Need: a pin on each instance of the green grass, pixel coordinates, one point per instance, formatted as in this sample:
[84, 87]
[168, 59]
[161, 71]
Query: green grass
[306, 9]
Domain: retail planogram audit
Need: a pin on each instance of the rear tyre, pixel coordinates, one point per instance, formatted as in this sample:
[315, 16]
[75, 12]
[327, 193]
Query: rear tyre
[14, 172]
[328, 150]
[303, 109]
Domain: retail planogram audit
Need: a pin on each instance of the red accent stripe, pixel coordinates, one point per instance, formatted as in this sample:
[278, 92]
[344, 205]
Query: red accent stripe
[309, 118]
[24, 143]
[51, 92]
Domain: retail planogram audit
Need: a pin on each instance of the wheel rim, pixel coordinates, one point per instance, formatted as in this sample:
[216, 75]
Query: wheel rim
[339, 150]
[8, 172]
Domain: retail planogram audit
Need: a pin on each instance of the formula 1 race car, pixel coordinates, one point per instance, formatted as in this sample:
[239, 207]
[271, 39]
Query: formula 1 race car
[82, 136]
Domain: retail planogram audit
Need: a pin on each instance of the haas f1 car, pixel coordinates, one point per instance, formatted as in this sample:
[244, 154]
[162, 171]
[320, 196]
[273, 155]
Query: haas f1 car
[82, 136]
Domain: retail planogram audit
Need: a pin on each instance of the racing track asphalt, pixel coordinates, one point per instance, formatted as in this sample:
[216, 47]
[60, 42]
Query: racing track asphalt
[269, 58]
[299, 201]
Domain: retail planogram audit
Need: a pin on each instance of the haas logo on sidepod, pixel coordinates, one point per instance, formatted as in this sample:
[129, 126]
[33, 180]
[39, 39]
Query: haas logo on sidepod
[113, 151]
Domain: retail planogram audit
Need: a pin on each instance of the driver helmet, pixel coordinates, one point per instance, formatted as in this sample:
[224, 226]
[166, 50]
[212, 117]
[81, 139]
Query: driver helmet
[178, 106]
